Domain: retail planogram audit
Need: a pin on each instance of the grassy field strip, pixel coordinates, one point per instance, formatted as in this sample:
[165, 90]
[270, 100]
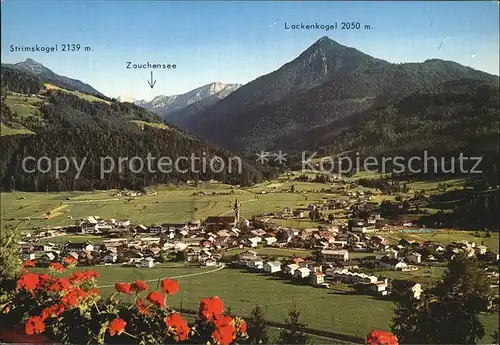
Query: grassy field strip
[177, 277]
[243, 202]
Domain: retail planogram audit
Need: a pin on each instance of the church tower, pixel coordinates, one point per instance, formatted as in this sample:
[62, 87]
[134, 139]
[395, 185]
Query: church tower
[236, 209]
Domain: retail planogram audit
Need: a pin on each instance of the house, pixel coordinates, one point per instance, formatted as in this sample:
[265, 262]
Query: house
[480, 250]
[111, 257]
[417, 290]
[301, 273]
[272, 267]
[28, 256]
[290, 269]
[393, 254]
[378, 288]
[335, 255]
[47, 257]
[146, 263]
[317, 278]
[270, 240]
[394, 264]
[414, 258]
[255, 263]
[219, 223]
[363, 228]
[210, 263]
[79, 247]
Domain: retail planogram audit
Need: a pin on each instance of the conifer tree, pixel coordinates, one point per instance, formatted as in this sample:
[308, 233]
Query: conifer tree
[292, 332]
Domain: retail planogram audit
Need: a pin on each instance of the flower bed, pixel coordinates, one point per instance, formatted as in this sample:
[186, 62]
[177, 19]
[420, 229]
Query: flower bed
[71, 310]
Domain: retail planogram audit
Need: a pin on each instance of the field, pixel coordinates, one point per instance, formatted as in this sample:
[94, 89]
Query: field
[79, 94]
[321, 309]
[169, 205]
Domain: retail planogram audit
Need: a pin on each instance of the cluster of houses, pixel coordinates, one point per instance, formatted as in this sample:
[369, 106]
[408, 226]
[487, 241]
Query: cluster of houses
[321, 275]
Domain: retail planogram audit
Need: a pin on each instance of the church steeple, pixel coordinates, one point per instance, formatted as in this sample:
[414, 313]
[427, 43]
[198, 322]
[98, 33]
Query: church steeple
[236, 210]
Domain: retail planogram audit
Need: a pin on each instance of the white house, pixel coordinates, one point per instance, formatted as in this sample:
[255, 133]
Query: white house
[301, 273]
[147, 263]
[417, 290]
[272, 267]
[414, 258]
[111, 257]
[480, 250]
[290, 269]
[210, 262]
[394, 264]
[256, 263]
[270, 240]
[317, 278]
[335, 255]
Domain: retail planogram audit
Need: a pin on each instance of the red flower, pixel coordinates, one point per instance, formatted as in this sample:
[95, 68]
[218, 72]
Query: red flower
[156, 298]
[179, 325]
[211, 308]
[73, 297]
[59, 284]
[91, 274]
[94, 291]
[170, 286]
[123, 288]
[28, 281]
[242, 327]
[381, 338]
[34, 325]
[52, 311]
[116, 326]
[139, 285]
[142, 308]
[56, 267]
[29, 263]
[224, 332]
[70, 261]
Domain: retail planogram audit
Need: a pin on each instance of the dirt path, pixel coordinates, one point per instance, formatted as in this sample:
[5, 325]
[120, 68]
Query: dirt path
[177, 277]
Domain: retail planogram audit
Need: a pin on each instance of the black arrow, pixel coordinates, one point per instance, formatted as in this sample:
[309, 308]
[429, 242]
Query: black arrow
[152, 82]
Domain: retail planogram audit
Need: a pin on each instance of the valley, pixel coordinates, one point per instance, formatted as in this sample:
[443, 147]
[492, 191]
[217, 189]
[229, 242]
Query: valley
[313, 173]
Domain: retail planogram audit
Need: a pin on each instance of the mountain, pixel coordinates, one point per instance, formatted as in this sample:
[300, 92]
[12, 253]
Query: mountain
[328, 81]
[456, 116]
[46, 75]
[45, 120]
[208, 95]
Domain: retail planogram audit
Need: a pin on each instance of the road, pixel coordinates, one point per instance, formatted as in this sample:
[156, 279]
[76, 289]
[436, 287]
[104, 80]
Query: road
[177, 277]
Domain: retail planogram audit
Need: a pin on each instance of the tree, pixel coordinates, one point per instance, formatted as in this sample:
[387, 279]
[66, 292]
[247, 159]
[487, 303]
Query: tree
[292, 188]
[291, 333]
[257, 329]
[449, 312]
[9, 259]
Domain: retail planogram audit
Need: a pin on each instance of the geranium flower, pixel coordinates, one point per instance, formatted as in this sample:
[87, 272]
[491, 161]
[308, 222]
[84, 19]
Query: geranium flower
[170, 286]
[117, 326]
[59, 284]
[156, 298]
[242, 327]
[73, 297]
[34, 325]
[91, 274]
[29, 263]
[224, 332]
[211, 308]
[56, 267]
[94, 292]
[77, 277]
[52, 311]
[28, 281]
[175, 322]
[123, 288]
[139, 285]
[376, 337]
[70, 261]
[142, 308]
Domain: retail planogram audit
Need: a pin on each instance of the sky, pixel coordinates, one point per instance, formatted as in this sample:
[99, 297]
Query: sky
[235, 42]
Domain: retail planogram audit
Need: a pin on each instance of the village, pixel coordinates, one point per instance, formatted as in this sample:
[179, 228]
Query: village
[352, 256]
